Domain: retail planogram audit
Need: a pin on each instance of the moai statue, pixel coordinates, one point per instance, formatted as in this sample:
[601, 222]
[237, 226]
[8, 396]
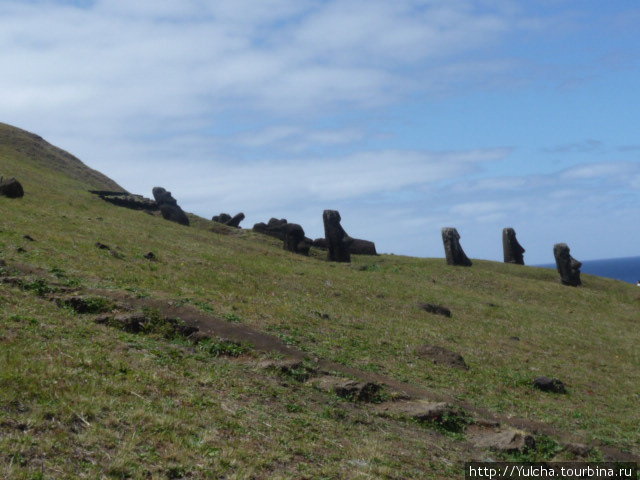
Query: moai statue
[235, 221]
[568, 267]
[338, 241]
[169, 206]
[294, 239]
[513, 251]
[452, 249]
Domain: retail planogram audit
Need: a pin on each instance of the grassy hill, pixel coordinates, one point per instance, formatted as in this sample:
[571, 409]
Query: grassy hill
[80, 399]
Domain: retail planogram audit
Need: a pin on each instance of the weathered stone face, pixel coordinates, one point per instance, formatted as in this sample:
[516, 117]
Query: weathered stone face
[337, 239]
[163, 197]
[452, 249]
[513, 251]
[568, 267]
[11, 188]
[169, 206]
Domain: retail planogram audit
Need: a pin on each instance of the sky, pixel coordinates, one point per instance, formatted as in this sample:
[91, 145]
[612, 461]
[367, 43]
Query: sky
[406, 116]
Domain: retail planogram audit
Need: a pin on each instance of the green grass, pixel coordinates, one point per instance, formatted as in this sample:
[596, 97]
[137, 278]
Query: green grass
[363, 315]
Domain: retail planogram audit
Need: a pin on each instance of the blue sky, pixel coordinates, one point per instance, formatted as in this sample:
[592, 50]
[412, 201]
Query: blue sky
[407, 116]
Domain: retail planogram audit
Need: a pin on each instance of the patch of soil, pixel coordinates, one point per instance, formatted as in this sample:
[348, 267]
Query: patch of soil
[442, 356]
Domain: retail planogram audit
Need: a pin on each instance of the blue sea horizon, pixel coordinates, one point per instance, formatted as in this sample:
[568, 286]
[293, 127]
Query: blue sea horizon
[626, 269]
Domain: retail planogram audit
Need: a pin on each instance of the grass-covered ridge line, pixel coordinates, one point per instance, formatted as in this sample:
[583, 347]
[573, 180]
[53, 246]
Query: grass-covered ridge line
[510, 323]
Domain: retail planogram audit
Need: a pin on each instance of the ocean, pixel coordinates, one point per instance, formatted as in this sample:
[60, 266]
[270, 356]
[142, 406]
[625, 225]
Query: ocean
[625, 269]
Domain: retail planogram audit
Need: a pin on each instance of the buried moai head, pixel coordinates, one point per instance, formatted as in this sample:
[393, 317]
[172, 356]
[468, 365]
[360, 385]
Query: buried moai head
[163, 197]
[568, 267]
[513, 251]
[452, 249]
[338, 242]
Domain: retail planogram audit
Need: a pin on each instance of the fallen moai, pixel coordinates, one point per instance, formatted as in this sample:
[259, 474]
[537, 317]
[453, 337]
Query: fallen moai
[274, 228]
[228, 220]
[357, 247]
[11, 188]
[452, 249]
[568, 267]
[337, 239]
[512, 250]
[127, 200]
[294, 239]
[169, 206]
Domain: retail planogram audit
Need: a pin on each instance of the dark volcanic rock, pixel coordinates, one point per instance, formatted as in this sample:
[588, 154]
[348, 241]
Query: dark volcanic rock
[347, 388]
[169, 206]
[337, 239]
[452, 249]
[512, 250]
[11, 188]
[547, 384]
[442, 356]
[568, 267]
[437, 309]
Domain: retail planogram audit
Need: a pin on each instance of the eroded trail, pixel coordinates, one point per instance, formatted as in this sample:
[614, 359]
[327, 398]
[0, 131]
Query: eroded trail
[485, 430]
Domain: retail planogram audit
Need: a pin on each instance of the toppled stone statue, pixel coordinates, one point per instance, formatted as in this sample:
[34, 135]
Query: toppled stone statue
[512, 250]
[11, 188]
[362, 247]
[452, 249]
[357, 247]
[127, 200]
[568, 267]
[274, 228]
[294, 239]
[228, 220]
[291, 234]
[337, 239]
[169, 206]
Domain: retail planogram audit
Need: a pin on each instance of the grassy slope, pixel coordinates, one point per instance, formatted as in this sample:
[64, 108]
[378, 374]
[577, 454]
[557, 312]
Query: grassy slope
[588, 336]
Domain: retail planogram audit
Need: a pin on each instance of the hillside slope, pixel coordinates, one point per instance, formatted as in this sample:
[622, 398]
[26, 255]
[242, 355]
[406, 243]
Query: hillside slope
[155, 405]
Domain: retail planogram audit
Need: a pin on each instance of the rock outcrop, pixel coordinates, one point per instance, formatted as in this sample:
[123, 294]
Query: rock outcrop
[452, 249]
[512, 250]
[568, 267]
[11, 188]
[169, 206]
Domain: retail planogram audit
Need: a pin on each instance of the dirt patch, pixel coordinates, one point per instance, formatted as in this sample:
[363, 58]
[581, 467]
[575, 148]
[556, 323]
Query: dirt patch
[442, 356]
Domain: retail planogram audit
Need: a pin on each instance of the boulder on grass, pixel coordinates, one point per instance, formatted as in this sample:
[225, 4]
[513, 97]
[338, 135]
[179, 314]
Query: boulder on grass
[11, 188]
